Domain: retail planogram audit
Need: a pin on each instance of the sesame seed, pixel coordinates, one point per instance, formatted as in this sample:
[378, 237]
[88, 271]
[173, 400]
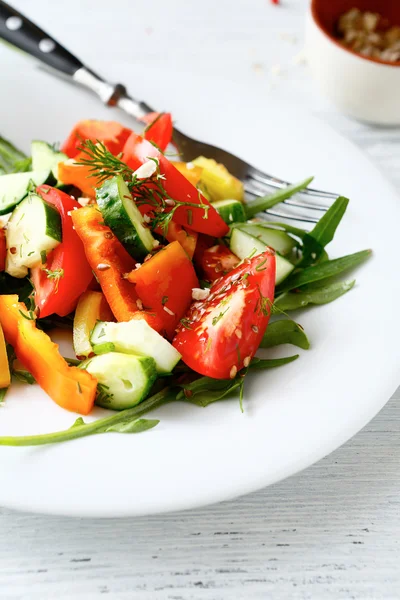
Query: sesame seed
[254, 328]
[199, 294]
[189, 165]
[156, 243]
[170, 202]
[103, 267]
[233, 372]
[246, 361]
[139, 304]
[238, 333]
[167, 310]
[146, 218]
[108, 235]
[138, 265]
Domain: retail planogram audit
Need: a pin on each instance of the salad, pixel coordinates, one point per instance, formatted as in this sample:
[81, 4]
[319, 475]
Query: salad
[168, 279]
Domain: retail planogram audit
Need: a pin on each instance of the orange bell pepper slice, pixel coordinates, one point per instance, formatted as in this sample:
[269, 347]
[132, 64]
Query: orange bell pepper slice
[185, 236]
[164, 284]
[3, 250]
[112, 134]
[5, 377]
[71, 388]
[110, 261]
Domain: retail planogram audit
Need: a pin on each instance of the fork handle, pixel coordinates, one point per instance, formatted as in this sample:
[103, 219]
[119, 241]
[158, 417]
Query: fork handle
[20, 32]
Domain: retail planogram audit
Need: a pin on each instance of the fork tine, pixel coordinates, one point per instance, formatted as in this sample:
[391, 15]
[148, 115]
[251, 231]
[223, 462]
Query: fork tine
[290, 217]
[256, 190]
[274, 182]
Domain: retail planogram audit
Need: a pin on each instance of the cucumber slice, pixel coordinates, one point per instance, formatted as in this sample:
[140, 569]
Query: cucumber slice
[45, 157]
[278, 240]
[231, 211]
[137, 337]
[34, 228]
[124, 380]
[121, 214]
[14, 187]
[244, 245]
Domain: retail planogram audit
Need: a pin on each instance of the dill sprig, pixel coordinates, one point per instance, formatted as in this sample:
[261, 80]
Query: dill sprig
[148, 191]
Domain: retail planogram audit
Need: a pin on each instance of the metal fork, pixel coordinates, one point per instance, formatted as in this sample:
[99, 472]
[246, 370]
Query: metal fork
[19, 31]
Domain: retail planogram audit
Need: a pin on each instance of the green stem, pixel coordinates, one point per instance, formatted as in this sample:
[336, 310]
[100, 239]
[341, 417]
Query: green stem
[266, 202]
[98, 426]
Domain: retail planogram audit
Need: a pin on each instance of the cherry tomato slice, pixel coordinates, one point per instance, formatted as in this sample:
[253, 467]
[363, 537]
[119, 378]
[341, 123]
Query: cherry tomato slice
[221, 334]
[218, 261]
[60, 294]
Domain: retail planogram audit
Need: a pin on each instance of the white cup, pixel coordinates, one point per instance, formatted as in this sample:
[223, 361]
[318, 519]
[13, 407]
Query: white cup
[361, 87]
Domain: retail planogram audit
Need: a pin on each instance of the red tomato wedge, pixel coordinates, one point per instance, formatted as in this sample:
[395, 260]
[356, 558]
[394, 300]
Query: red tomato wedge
[112, 134]
[164, 284]
[221, 334]
[60, 294]
[159, 129]
[110, 261]
[217, 261]
[3, 250]
[202, 216]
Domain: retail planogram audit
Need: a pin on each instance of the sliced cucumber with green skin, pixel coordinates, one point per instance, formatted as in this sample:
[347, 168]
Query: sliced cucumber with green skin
[34, 228]
[231, 211]
[45, 157]
[123, 217]
[278, 240]
[244, 245]
[136, 337]
[124, 380]
[14, 187]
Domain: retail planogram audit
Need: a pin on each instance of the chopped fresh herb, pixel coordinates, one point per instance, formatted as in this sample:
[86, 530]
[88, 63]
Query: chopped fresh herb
[79, 387]
[29, 317]
[219, 317]
[164, 300]
[260, 266]
[43, 256]
[186, 323]
[189, 214]
[56, 275]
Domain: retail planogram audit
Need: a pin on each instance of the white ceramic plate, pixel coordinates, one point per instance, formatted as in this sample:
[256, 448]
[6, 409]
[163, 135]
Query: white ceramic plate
[294, 415]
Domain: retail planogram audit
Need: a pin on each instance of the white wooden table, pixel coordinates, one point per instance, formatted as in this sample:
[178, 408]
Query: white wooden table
[331, 532]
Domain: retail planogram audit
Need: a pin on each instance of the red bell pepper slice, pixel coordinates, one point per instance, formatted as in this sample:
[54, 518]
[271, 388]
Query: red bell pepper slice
[164, 284]
[159, 129]
[202, 217]
[68, 273]
[112, 134]
[3, 250]
[110, 261]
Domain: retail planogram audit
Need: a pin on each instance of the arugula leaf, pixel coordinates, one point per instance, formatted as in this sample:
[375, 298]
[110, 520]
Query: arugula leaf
[266, 202]
[328, 268]
[205, 390]
[127, 420]
[3, 392]
[315, 241]
[23, 376]
[269, 363]
[285, 331]
[318, 295]
[130, 426]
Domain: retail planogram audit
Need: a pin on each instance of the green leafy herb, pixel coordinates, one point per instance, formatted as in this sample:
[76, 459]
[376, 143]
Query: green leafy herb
[43, 257]
[205, 390]
[324, 270]
[185, 323]
[219, 317]
[284, 331]
[266, 202]
[56, 275]
[164, 300]
[23, 376]
[322, 295]
[259, 364]
[150, 125]
[28, 316]
[323, 232]
[104, 425]
[130, 426]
